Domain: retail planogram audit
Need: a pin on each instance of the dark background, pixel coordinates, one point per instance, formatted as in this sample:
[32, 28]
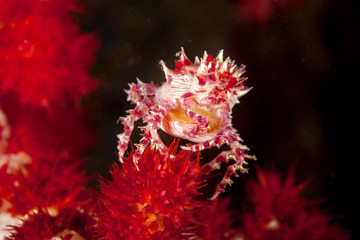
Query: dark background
[302, 64]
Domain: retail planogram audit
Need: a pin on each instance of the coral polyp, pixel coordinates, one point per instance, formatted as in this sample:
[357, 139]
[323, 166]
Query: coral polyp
[195, 103]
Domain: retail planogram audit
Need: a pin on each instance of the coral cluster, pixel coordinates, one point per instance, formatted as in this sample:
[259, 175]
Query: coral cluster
[276, 210]
[154, 199]
[42, 44]
[44, 65]
[42, 224]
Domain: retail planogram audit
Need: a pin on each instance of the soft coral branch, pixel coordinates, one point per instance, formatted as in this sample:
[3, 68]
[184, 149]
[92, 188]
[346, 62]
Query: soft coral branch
[154, 199]
[41, 45]
[276, 210]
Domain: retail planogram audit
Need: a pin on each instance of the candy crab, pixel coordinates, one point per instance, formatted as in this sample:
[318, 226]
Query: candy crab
[194, 103]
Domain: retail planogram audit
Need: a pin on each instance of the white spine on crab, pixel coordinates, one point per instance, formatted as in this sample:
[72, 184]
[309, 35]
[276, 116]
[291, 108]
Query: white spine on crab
[139, 81]
[166, 70]
[240, 71]
[224, 65]
[202, 68]
[182, 55]
[197, 61]
[220, 56]
[240, 93]
[205, 56]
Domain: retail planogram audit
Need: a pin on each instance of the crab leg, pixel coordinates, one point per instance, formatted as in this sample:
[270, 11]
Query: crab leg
[124, 138]
[137, 91]
[233, 169]
[150, 135]
[137, 95]
[236, 153]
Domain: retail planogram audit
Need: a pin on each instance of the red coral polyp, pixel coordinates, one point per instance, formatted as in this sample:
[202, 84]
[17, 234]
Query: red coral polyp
[153, 199]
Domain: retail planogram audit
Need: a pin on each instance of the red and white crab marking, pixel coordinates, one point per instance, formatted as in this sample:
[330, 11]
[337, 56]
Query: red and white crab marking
[195, 103]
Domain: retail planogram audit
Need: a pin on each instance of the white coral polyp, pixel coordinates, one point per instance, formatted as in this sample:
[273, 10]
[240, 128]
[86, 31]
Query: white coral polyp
[14, 161]
[7, 219]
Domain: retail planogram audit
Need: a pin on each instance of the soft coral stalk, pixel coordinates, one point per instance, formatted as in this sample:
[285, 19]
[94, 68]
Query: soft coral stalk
[154, 199]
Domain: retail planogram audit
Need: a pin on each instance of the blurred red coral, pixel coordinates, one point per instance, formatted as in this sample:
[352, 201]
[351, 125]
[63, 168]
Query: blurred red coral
[276, 211]
[152, 200]
[51, 182]
[215, 222]
[37, 130]
[42, 161]
[40, 224]
[44, 70]
[35, 173]
[44, 57]
[262, 11]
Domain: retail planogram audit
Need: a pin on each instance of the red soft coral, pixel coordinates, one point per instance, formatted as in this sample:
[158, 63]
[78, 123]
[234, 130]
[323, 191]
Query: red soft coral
[68, 224]
[43, 56]
[53, 182]
[276, 211]
[216, 221]
[37, 130]
[154, 199]
[262, 11]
